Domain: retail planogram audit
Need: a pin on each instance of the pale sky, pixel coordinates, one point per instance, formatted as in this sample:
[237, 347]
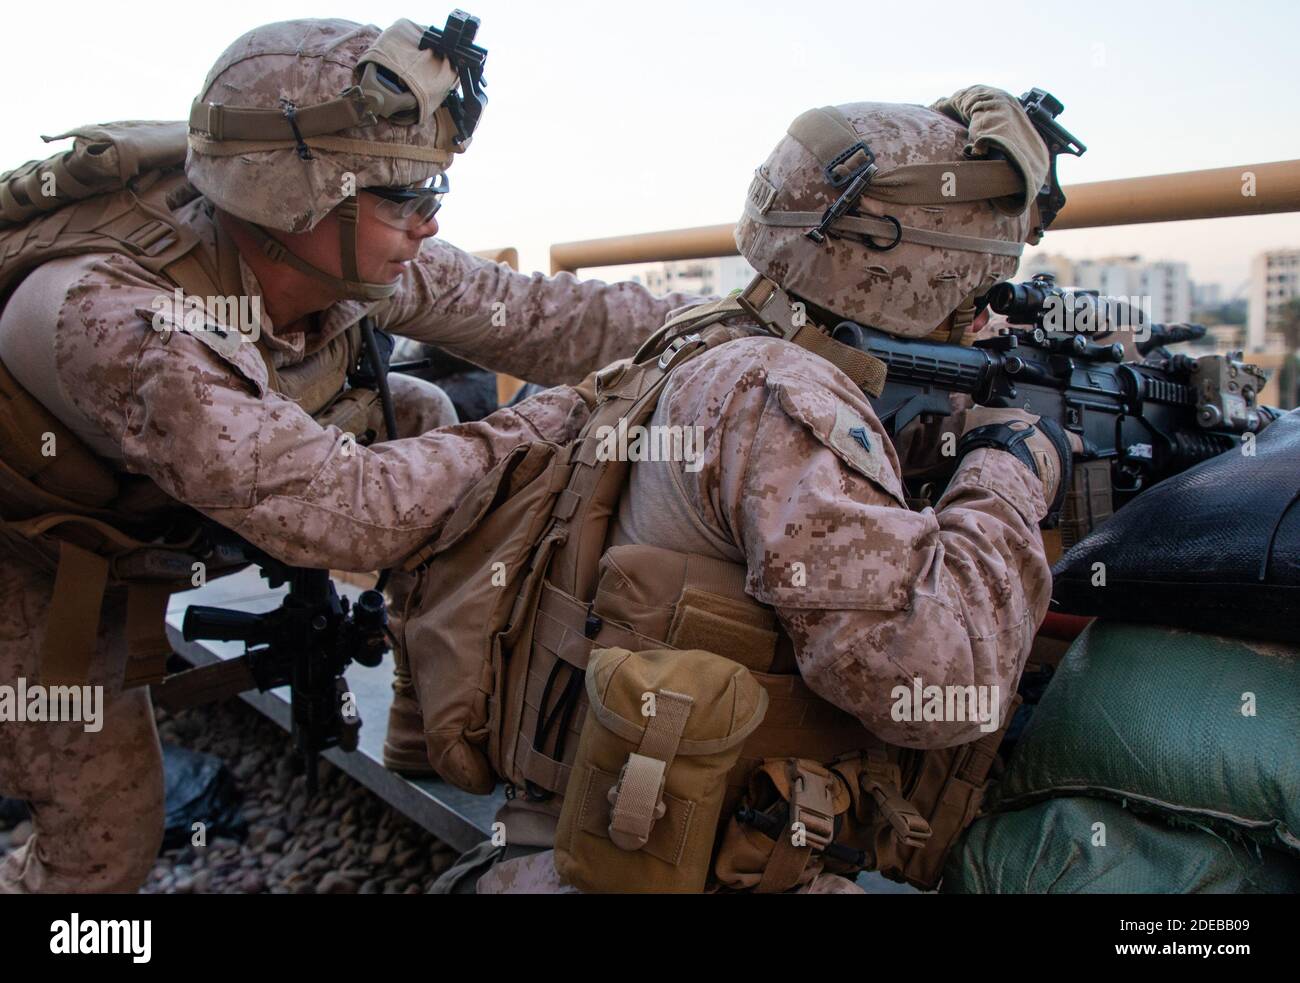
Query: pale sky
[618, 117]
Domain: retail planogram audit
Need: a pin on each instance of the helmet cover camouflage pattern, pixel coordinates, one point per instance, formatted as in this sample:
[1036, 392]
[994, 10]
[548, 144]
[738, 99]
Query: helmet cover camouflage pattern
[909, 289]
[306, 63]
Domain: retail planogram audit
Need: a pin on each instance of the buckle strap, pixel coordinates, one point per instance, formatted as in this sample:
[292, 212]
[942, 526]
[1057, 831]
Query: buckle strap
[637, 800]
[812, 802]
[670, 355]
[221, 122]
[880, 778]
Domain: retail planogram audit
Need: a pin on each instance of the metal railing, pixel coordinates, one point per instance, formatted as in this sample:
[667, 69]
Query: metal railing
[1221, 192]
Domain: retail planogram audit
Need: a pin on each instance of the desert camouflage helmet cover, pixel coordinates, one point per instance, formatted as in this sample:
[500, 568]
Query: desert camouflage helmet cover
[882, 213]
[296, 116]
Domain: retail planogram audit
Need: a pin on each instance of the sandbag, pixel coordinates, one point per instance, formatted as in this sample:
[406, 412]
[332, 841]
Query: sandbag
[1055, 848]
[199, 788]
[1154, 716]
[1215, 548]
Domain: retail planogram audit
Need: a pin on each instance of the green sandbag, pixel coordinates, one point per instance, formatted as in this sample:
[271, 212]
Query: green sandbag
[1049, 848]
[1153, 716]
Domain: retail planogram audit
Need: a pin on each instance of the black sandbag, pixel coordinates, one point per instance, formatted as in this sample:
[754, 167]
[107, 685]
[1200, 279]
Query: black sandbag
[198, 788]
[1216, 548]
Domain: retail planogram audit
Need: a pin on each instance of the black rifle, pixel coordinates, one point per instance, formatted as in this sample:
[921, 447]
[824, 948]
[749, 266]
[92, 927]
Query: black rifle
[1139, 422]
[306, 643]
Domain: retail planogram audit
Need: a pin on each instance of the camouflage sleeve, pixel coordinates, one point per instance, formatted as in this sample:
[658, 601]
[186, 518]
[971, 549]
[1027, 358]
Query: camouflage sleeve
[208, 431]
[550, 330]
[873, 595]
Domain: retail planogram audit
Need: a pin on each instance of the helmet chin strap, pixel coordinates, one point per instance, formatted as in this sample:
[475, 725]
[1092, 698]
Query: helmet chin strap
[350, 285]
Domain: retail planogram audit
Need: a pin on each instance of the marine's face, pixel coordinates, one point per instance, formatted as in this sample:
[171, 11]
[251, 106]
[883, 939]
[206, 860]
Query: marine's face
[384, 247]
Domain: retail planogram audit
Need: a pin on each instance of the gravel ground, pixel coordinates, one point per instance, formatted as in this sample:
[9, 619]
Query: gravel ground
[345, 841]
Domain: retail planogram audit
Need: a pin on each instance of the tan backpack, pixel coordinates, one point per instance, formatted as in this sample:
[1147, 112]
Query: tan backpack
[519, 595]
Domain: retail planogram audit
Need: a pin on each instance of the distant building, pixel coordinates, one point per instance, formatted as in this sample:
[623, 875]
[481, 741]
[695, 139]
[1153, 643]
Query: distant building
[1061, 267]
[1274, 280]
[1206, 295]
[709, 277]
[1169, 288]
[1165, 283]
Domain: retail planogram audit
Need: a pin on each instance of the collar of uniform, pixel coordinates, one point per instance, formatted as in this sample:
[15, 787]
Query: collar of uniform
[291, 347]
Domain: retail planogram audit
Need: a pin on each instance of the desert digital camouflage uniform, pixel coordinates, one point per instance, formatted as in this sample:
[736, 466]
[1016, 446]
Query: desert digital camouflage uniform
[798, 481]
[201, 420]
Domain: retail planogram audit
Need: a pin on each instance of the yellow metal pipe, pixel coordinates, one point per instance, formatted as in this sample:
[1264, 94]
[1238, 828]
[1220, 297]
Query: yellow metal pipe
[701, 242]
[1250, 189]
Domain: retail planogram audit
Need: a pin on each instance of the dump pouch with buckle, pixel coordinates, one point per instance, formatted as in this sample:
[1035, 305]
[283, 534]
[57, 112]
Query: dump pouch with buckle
[792, 811]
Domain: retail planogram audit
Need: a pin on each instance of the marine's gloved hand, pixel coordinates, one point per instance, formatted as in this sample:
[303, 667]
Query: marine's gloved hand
[1041, 444]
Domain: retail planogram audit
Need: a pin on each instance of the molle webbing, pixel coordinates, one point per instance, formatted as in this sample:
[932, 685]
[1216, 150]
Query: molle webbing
[538, 739]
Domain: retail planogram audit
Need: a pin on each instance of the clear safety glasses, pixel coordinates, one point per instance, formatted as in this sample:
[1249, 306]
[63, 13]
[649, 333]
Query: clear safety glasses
[409, 208]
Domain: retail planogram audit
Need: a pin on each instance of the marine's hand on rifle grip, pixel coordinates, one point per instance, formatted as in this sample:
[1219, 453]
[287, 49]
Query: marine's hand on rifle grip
[1047, 448]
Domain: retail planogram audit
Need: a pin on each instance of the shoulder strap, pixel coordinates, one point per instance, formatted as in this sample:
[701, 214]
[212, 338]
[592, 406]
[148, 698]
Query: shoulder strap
[626, 398]
[693, 317]
[772, 307]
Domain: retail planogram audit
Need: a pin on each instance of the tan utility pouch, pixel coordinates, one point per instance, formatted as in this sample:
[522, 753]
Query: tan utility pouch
[663, 729]
[792, 810]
